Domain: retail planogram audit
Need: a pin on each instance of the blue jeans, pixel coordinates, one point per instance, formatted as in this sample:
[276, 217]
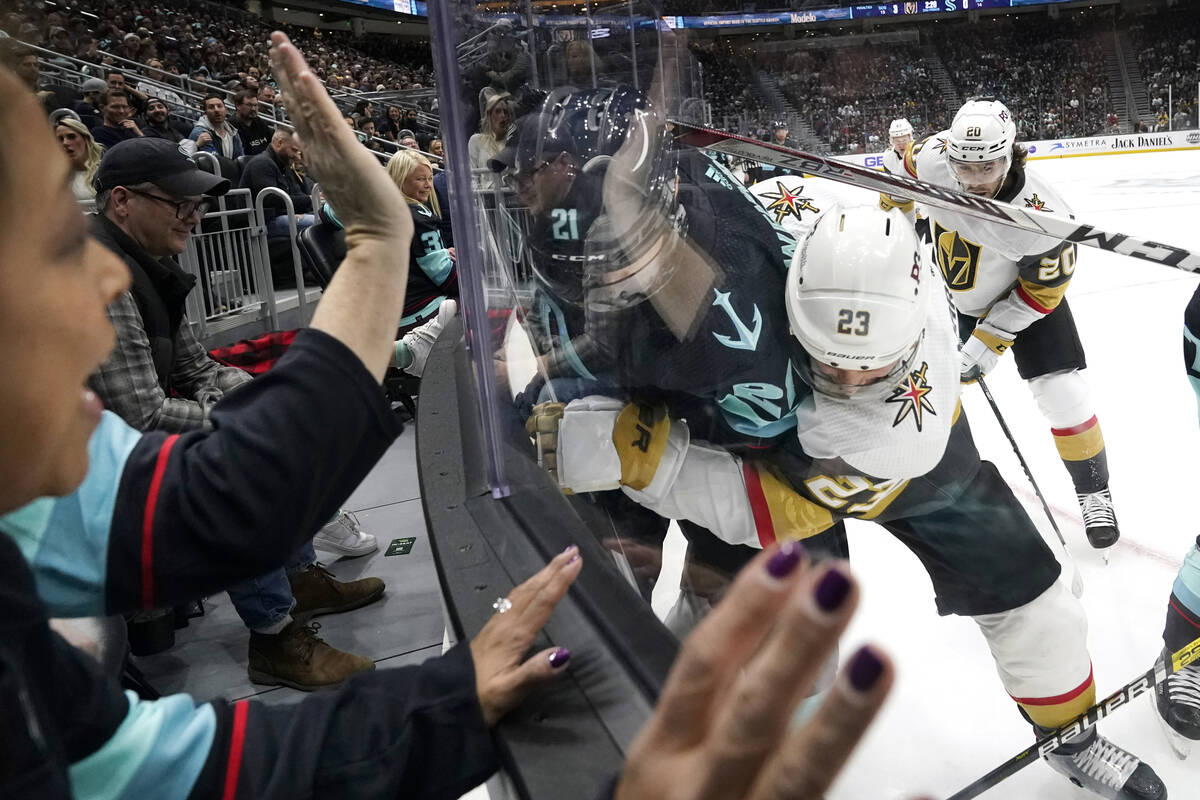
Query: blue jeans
[266, 601]
[279, 225]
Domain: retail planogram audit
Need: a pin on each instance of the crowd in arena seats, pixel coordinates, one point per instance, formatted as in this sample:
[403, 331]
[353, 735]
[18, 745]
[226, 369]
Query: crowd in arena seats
[1050, 73]
[727, 86]
[197, 49]
[1168, 57]
[197, 41]
[850, 95]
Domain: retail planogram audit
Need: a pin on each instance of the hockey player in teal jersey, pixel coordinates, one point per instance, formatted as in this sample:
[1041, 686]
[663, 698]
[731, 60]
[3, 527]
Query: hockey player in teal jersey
[1178, 697]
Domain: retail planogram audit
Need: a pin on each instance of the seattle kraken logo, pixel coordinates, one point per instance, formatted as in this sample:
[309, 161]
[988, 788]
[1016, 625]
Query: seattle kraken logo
[911, 395]
[747, 339]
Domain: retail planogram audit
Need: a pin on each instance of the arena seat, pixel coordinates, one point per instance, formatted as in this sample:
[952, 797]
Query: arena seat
[322, 248]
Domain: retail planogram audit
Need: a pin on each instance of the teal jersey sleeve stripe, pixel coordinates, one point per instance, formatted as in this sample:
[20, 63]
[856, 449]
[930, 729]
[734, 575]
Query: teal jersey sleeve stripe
[158, 751]
[424, 313]
[1187, 582]
[65, 540]
[333, 217]
[437, 265]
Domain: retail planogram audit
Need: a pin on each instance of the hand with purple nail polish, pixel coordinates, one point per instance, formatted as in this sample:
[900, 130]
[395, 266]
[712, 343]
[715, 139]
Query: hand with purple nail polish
[503, 676]
[723, 725]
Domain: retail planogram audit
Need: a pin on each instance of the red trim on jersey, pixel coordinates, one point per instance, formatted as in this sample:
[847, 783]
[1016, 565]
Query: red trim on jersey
[1076, 429]
[237, 740]
[1057, 699]
[758, 506]
[160, 467]
[1186, 616]
[907, 169]
[1029, 301]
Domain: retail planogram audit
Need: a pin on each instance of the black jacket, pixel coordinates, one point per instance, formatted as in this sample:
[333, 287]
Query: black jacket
[267, 169]
[221, 506]
[255, 136]
[171, 133]
[159, 288]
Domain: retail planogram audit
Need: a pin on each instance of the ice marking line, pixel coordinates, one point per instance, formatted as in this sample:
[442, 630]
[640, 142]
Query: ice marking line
[1129, 544]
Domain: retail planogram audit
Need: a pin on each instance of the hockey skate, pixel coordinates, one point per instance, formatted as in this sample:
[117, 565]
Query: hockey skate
[1099, 519]
[1094, 763]
[1178, 702]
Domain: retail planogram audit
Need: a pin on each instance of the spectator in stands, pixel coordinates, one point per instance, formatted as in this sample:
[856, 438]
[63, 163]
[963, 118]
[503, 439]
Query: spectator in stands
[392, 124]
[157, 123]
[433, 275]
[1162, 122]
[158, 377]
[252, 130]
[366, 126]
[483, 146]
[88, 108]
[364, 108]
[266, 93]
[212, 134]
[117, 123]
[275, 167]
[116, 80]
[83, 153]
[24, 62]
[408, 139]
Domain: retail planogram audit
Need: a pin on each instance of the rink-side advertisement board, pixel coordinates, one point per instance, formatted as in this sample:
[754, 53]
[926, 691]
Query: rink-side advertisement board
[1122, 143]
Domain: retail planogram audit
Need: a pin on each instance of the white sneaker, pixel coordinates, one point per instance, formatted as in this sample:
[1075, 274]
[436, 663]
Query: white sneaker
[421, 340]
[345, 536]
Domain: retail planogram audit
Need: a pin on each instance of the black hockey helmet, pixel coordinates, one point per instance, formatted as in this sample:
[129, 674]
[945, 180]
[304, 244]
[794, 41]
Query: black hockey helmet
[599, 264]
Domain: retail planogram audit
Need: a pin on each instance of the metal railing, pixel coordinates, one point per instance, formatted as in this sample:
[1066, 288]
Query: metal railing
[264, 247]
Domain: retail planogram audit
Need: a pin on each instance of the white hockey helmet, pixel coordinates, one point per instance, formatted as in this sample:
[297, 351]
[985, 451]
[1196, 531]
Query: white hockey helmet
[857, 298]
[980, 145]
[983, 130]
[900, 127]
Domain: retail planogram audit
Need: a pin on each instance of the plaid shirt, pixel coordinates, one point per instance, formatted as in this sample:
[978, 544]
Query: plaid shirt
[128, 385]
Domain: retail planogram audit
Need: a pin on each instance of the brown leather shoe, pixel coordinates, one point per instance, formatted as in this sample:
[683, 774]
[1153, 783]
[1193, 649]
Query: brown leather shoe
[317, 592]
[298, 658]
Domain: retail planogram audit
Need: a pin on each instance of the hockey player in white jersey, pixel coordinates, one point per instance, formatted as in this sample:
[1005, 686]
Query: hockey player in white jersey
[880, 436]
[900, 138]
[1010, 289]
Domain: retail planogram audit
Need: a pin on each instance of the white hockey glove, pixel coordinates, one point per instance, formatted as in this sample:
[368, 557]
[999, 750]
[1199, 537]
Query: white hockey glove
[982, 351]
[600, 443]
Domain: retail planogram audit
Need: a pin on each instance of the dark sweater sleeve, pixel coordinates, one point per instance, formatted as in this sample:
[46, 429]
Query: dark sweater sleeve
[408, 732]
[199, 511]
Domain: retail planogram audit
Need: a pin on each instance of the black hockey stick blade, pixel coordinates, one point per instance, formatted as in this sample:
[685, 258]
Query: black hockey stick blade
[1143, 683]
[938, 196]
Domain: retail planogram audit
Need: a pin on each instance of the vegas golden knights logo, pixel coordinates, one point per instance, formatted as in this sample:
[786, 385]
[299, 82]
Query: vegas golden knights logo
[957, 257]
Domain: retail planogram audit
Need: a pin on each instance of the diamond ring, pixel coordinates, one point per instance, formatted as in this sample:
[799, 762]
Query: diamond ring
[502, 604]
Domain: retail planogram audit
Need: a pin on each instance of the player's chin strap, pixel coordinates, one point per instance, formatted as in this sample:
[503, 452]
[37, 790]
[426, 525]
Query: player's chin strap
[1076, 578]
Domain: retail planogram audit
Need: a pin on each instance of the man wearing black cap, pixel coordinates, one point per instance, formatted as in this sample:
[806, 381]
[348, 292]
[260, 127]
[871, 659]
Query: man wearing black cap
[150, 195]
[88, 108]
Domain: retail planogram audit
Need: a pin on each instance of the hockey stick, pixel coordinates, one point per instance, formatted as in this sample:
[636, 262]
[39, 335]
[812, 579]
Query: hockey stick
[1143, 683]
[1076, 579]
[938, 196]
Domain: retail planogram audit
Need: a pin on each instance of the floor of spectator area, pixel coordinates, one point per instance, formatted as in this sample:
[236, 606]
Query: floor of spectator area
[405, 627]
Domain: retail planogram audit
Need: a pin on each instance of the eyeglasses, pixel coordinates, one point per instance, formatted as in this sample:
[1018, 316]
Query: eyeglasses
[183, 209]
